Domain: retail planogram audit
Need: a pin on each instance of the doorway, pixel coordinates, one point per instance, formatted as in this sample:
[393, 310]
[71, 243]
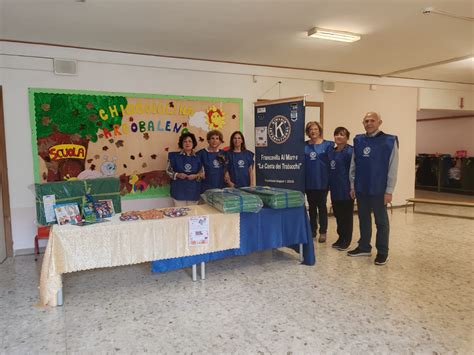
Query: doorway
[445, 155]
[314, 111]
[6, 244]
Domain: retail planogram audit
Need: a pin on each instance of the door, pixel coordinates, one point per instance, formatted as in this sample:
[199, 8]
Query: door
[314, 111]
[3, 245]
[6, 245]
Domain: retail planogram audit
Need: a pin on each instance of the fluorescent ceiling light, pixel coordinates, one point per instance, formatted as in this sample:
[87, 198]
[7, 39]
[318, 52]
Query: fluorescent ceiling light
[333, 35]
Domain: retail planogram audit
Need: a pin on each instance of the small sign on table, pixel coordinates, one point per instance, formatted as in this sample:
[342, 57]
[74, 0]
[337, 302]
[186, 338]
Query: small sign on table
[198, 230]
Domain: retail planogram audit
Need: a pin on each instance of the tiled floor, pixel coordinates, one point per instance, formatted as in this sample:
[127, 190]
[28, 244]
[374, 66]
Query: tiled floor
[420, 302]
[465, 212]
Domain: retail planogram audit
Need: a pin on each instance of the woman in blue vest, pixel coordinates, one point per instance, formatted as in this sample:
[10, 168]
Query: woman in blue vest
[342, 203]
[213, 161]
[184, 169]
[316, 178]
[239, 162]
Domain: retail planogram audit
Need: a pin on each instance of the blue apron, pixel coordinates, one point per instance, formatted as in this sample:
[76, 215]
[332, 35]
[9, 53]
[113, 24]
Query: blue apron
[214, 164]
[372, 158]
[317, 165]
[339, 166]
[238, 165]
[185, 190]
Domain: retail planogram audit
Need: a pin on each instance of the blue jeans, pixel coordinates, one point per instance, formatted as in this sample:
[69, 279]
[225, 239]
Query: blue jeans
[365, 206]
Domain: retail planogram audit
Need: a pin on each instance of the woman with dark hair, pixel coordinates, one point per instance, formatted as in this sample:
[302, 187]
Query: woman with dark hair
[316, 178]
[213, 161]
[342, 203]
[184, 170]
[239, 162]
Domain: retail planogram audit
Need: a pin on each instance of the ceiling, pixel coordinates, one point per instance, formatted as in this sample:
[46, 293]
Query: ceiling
[397, 38]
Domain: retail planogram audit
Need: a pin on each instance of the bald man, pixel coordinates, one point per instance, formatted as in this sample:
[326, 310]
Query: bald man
[373, 175]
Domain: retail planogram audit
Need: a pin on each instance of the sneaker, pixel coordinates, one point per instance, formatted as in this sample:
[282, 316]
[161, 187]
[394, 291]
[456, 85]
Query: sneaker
[322, 238]
[381, 259]
[358, 252]
[336, 245]
[343, 247]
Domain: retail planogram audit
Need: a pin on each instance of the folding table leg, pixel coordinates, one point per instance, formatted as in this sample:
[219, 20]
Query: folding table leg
[203, 270]
[59, 297]
[194, 272]
[301, 252]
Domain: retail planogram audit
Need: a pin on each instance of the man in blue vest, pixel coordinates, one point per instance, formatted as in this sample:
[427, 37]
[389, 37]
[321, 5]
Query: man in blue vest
[373, 175]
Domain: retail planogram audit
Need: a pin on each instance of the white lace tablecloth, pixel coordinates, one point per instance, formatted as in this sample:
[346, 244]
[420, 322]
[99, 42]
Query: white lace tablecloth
[73, 248]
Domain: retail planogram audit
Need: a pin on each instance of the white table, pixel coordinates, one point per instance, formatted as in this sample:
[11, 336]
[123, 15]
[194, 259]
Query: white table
[115, 243]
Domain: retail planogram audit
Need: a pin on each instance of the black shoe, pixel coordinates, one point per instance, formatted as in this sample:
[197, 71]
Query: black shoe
[358, 252]
[381, 259]
[322, 238]
[343, 247]
[337, 245]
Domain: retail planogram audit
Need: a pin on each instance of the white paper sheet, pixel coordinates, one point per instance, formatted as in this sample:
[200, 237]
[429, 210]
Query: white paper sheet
[198, 230]
[49, 201]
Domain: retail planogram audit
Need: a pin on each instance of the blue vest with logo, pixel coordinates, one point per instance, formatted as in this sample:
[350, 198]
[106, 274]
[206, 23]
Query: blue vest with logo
[339, 165]
[185, 190]
[238, 165]
[214, 164]
[372, 158]
[316, 165]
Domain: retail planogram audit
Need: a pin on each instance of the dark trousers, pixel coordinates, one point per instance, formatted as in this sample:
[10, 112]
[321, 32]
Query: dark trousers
[365, 206]
[317, 206]
[344, 213]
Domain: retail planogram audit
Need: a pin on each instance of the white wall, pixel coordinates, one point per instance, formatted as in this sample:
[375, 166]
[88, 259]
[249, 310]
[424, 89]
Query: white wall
[397, 107]
[23, 66]
[140, 75]
[445, 136]
[445, 99]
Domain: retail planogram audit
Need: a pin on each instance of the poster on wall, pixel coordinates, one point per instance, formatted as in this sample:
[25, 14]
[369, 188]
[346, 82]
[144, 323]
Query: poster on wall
[279, 143]
[88, 134]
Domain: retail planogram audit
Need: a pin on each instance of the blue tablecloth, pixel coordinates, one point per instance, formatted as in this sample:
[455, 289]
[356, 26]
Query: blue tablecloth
[267, 229]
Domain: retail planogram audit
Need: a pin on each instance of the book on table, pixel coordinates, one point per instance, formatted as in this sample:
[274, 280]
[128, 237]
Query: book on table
[67, 213]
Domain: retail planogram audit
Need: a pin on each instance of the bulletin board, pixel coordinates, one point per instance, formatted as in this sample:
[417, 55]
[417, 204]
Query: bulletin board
[89, 134]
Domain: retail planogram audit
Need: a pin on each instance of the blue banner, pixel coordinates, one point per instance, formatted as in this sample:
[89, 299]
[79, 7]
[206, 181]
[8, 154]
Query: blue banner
[279, 144]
